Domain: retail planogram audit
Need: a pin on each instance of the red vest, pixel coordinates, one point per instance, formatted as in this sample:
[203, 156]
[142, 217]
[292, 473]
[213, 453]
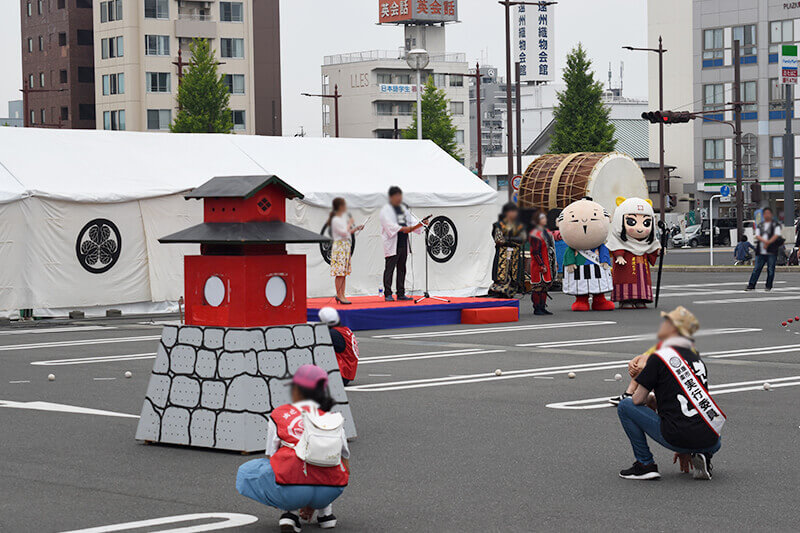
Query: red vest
[348, 359]
[288, 468]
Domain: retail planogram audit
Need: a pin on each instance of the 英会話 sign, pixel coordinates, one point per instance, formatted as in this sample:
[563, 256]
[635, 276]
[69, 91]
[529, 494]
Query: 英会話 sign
[417, 11]
[788, 64]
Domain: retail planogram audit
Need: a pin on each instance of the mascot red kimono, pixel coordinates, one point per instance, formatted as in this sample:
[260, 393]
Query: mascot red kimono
[587, 262]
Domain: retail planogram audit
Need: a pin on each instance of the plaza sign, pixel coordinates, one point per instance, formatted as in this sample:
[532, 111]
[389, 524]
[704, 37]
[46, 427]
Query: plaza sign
[417, 11]
[788, 64]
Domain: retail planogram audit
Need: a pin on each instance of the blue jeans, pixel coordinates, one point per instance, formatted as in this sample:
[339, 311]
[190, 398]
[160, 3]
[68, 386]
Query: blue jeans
[256, 480]
[758, 265]
[638, 420]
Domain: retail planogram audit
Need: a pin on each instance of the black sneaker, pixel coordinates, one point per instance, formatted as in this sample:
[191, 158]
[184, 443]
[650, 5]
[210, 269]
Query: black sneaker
[404, 298]
[749, 288]
[326, 522]
[616, 399]
[640, 471]
[388, 298]
[702, 465]
[289, 522]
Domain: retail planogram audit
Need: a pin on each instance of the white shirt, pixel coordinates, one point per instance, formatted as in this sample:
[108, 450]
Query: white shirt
[339, 231]
[390, 227]
[760, 249]
[274, 442]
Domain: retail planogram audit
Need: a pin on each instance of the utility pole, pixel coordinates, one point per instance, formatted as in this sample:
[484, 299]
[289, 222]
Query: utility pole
[335, 97]
[478, 117]
[737, 148]
[519, 120]
[788, 161]
[26, 115]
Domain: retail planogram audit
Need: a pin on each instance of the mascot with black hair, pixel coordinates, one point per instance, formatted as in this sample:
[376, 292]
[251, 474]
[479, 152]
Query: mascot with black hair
[634, 246]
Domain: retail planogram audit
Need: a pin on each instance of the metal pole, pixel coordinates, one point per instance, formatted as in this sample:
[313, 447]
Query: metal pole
[662, 186]
[419, 104]
[479, 118]
[737, 148]
[25, 114]
[336, 106]
[509, 111]
[788, 162]
[519, 119]
[711, 225]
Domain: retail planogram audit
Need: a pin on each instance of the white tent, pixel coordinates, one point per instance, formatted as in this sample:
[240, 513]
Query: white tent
[74, 202]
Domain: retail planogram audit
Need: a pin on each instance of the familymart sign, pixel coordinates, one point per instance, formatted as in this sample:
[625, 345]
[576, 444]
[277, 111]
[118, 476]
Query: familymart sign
[788, 64]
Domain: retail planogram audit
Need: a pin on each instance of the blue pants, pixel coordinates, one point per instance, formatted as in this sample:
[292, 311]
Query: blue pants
[256, 481]
[758, 265]
[640, 420]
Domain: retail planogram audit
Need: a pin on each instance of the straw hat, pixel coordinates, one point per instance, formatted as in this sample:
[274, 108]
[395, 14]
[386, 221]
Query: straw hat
[683, 320]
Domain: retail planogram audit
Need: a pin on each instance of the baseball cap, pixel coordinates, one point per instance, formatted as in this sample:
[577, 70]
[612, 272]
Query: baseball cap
[683, 320]
[329, 316]
[309, 376]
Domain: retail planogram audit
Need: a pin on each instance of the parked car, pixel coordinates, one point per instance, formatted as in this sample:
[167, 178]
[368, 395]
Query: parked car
[699, 234]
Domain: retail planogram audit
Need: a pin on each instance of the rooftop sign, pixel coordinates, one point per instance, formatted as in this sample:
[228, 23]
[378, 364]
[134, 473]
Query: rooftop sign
[417, 11]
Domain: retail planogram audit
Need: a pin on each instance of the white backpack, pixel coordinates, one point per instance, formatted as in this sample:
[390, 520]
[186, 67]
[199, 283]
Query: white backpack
[321, 441]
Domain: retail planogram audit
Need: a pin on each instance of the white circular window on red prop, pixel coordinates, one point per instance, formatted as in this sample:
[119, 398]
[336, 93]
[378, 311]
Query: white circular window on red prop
[275, 291]
[214, 291]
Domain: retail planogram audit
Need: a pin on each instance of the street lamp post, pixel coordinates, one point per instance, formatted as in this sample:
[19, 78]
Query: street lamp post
[662, 182]
[418, 59]
[335, 97]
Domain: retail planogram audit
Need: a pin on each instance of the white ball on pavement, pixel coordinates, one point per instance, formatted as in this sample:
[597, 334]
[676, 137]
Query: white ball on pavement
[618, 377]
[767, 386]
[498, 372]
[571, 375]
[128, 374]
[51, 377]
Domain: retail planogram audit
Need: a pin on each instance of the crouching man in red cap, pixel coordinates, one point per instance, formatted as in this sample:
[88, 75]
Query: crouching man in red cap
[307, 465]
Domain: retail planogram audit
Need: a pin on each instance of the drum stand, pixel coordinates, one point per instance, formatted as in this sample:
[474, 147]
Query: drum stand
[427, 295]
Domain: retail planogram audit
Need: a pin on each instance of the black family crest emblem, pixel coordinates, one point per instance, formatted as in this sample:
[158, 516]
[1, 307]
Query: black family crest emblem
[98, 246]
[442, 238]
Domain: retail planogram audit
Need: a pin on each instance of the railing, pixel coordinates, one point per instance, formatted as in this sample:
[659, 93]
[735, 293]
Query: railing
[400, 54]
[193, 16]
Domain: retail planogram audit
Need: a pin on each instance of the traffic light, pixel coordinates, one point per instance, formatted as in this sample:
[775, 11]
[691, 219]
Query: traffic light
[667, 117]
[755, 192]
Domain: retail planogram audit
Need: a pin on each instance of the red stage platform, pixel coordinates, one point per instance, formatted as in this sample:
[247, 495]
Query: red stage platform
[372, 312]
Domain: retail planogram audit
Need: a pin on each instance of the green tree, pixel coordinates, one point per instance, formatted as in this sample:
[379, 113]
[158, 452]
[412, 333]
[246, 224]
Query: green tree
[581, 117]
[437, 124]
[203, 95]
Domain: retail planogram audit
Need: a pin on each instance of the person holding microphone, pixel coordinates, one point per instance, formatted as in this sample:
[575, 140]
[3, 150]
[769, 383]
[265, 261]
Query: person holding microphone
[342, 228]
[396, 223]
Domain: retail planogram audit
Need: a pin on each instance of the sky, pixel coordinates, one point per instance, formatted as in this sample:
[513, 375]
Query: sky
[312, 29]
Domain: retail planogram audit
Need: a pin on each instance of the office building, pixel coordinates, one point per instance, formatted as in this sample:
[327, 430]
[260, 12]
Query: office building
[136, 60]
[493, 101]
[58, 63]
[15, 115]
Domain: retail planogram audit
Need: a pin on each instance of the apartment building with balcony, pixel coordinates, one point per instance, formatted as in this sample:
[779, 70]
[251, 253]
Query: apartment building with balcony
[57, 63]
[136, 56]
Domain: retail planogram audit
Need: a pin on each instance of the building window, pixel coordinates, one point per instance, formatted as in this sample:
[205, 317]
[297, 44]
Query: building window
[459, 136]
[114, 120]
[86, 112]
[405, 108]
[457, 108]
[30, 81]
[112, 47]
[42, 116]
[232, 48]
[39, 10]
[62, 76]
[714, 154]
[231, 12]
[33, 116]
[384, 134]
[86, 74]
[64, 113]
[384, 78]
[158, 82]
[156, 9]
[652, 187]
[156, 45]
[111, 11]
[30, 44]
[85, 4]
[749, 94]
[238, 120]
[440, 80]
[41, 79]
[746, 35]
[780, 31]
[158, 119]
[62, 4]
[29, 12]
[777, 98]
[62, 39]
[41, 43]
[113, 84]
[403, 79]
[85, 37]
[383, 108]
[712, 44]
[713, 96]
[235, 83]
[776, 152]
[456, 81]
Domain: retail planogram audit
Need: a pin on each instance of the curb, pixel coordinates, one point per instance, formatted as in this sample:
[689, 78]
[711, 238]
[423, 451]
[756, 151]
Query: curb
[727, 268]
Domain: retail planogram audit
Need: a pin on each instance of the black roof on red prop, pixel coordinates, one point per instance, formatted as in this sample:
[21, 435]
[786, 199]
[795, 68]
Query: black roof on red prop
[272, 232]
[240, 187]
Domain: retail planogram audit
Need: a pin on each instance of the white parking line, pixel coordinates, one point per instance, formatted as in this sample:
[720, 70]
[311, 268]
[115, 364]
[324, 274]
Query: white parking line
[707, 285]
[764, 350]
[697, 292]
[32, 331]
[98, 359]
[229, 520]
[84, 342]
[722, 388]
[500, 329]
[631, 338]
[61, 408]
[747, 300]
[424, 355]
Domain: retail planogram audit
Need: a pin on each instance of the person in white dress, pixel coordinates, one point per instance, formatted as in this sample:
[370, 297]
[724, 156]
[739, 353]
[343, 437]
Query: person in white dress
[342, 229]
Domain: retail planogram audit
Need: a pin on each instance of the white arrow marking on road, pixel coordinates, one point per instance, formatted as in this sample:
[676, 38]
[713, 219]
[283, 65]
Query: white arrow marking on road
[84, 342]
[632, 338]
[501, 329]
[61, 408]
[722, 388]
[229, 520]
[98, 359]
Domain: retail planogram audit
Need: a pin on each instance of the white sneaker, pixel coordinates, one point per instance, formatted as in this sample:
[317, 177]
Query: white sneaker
[326, 522]
[702, 466]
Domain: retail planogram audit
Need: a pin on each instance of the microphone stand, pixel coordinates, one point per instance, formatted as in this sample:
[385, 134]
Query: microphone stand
[427, 295]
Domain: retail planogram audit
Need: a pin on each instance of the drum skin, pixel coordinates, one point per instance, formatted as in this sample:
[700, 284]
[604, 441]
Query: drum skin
[553, 181]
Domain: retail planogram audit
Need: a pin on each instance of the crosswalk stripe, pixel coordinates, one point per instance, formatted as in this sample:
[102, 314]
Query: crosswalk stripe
[631, 338]
[500, 329]
[92, 360]
[84, 342]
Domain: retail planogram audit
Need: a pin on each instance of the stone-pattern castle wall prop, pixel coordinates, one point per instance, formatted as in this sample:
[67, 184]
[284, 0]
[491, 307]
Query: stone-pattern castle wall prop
[216, 379]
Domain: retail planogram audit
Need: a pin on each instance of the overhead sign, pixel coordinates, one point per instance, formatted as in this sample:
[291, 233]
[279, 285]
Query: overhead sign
[788, 64]
[534, 42]
[417, 11]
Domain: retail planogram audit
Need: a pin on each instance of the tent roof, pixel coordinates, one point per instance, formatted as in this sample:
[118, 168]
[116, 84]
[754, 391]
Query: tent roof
[240, 187]
[111, 166]
[271, 232]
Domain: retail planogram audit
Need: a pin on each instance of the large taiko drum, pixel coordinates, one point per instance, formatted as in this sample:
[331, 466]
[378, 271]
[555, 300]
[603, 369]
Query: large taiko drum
[553, 181]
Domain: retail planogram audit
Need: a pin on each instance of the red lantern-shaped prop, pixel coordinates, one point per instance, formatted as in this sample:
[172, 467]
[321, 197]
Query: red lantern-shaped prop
[244, 277]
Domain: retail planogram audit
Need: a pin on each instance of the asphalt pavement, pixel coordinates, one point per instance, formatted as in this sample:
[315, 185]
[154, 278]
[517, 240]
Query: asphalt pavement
[444, 444]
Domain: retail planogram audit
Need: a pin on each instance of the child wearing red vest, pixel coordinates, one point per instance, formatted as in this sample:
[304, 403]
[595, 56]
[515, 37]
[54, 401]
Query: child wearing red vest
[344, 343]
[283, 480]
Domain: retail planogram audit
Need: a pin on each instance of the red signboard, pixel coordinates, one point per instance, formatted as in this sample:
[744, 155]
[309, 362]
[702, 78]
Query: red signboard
[417, 11]
[394, 10]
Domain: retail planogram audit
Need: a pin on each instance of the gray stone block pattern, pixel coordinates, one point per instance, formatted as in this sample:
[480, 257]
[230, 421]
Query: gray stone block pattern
[215, 387]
